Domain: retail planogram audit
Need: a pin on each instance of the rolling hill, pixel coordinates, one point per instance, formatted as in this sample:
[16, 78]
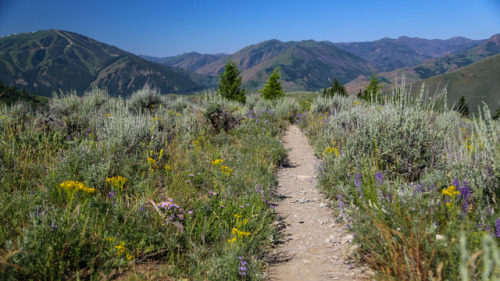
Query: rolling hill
[46, 61]
[477, 82]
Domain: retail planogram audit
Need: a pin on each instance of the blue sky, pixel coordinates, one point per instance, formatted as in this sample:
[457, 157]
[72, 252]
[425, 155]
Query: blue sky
[167, 27]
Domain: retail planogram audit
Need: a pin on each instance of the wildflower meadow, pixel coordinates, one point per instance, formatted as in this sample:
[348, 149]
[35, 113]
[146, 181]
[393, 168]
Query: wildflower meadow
[95, 187]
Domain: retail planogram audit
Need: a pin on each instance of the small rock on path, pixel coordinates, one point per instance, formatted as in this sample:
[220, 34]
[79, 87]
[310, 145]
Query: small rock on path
[315, 246]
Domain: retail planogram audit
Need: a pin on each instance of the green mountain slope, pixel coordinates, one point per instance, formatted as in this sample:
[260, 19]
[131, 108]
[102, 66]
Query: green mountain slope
[304, 65]
[477, 82]
[46, 61]
[388, 54]
[190, 61]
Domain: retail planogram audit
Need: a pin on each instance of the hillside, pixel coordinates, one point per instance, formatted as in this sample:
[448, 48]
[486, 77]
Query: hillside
[308, 65]
[45, 61]
[433, 67]
[388, 54]
[11, 95]
[478, 82]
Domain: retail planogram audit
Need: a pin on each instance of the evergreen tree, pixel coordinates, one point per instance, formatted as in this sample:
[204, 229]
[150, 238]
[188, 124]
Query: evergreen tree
[372, 91]
[335, 89]
[462, 107]
[273, 89]
[325, 92]
[497, 114]
[338, 89]
[230, 83]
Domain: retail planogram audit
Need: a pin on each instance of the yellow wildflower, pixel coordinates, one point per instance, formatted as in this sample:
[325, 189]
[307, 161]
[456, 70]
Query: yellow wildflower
[168, 167]
[151, 161]
[450, 191]
[76, 185]
[117, 182]
[217, 162]
[226, 170]
[120, 249]
[331, 150]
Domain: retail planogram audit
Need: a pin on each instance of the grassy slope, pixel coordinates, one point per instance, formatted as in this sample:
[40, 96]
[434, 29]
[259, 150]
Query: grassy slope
[478, 82]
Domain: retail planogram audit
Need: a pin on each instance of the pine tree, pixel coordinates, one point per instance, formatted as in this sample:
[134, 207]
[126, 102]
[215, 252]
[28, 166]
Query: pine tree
[462, 107]
[372, 91]
[338, 89]
[230, 83]
[335, 89]
[273, 89]
[325, 92]
[497, 114]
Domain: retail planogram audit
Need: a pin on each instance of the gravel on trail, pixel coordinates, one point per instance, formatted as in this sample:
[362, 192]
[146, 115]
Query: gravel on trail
[315, 244]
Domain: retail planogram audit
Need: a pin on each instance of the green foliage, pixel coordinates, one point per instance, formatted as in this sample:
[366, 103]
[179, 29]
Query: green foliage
[273, 89]
[230, 83]
[10, 95]
[372, 92]
[462, 107]
[335, 89]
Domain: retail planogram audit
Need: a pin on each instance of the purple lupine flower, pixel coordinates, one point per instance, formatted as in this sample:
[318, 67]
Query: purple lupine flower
[388, 197]
[480, 226]
[358, 180]
[465, 194]
[243, 267]
[379, 177]
[497, 227]
[341, 207]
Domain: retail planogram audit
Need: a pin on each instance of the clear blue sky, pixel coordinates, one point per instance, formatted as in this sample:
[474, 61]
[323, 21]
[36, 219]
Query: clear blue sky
[167, 27]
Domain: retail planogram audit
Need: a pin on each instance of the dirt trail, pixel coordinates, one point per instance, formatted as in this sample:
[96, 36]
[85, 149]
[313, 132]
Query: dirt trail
[315, 245]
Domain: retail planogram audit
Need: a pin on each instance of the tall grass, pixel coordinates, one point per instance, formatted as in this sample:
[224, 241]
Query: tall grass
[93, 185]
[417, 184]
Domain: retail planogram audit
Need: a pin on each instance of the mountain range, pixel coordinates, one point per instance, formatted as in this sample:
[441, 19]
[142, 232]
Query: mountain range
[434, 66]
[52, 60]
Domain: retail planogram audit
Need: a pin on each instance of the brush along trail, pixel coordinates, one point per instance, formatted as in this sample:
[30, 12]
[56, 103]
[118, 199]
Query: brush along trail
[315, 245]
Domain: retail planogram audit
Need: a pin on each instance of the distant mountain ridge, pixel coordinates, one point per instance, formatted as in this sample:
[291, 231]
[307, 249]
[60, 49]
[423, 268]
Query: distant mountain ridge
[304, 65]
[46, 61]
[312, 65]
[434, 66]
[388, 54]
